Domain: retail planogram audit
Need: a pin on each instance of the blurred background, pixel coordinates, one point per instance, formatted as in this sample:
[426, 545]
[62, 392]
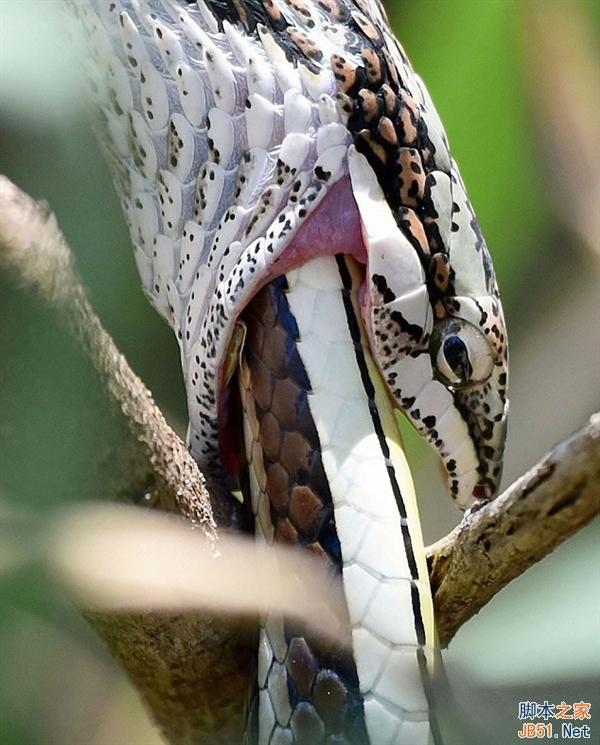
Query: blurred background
[517, 85]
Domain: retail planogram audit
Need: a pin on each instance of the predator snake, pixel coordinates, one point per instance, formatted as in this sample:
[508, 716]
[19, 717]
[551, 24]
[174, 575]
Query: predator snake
[298, 220]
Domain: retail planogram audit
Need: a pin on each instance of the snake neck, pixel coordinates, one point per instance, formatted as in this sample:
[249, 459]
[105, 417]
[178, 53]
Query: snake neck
[327, 472]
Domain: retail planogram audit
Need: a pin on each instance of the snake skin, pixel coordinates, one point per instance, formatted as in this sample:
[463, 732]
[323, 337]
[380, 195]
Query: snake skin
[229, 123]
[308, 689]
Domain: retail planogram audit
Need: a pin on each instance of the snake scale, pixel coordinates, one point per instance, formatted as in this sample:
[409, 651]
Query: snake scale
[298, 220]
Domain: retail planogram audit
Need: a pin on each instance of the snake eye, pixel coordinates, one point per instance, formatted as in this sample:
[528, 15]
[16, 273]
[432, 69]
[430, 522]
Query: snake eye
[461, 354]
[454, 354]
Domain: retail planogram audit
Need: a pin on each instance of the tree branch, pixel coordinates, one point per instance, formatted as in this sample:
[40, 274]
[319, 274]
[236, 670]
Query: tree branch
[491, 547]
[196, 687]
[34, 247]
[192, 670]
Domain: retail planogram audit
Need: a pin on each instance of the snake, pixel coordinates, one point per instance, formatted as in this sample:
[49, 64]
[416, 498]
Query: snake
[298, 220]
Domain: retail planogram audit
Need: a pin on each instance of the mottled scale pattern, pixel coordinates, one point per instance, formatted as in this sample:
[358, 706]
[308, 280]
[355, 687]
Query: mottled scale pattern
[220, 117]
[308, 690]
[200, 116]
[434, 263]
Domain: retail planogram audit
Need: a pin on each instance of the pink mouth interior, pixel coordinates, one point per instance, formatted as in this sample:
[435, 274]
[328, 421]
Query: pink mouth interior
[333, 228]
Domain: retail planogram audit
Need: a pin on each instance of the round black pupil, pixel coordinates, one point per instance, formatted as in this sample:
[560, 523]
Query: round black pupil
[457, 357]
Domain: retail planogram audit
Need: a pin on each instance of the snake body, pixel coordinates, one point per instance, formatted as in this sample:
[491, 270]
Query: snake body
[327, 473]
[254, 144]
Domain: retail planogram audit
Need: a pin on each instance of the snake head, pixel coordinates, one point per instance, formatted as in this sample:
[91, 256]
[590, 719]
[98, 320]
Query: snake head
[469, 358]
[434, 318]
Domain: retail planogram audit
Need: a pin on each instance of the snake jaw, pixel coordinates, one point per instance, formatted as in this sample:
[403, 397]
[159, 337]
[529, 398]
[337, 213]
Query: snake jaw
[485, 409]
[231, 174]
[484, 404]
[418, 308]
[466, 426]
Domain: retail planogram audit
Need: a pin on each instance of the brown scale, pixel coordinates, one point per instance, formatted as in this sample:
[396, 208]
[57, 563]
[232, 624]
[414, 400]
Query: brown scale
[322, 679]
[387, 131]
[373, 67]
[372, 33]
[273, 10]
[367, 142]
[411, 176]
[306, 46]
[439, 270]
[413, 229]
[370, 105]
[390, 101]
[296, 482]
[439, 310]
[408, 117]
[345, 72]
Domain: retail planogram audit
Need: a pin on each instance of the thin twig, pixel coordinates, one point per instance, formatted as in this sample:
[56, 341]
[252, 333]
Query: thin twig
[191, 669]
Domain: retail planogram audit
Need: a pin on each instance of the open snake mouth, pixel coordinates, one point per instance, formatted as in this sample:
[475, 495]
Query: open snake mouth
[449, 418]
[334, 224]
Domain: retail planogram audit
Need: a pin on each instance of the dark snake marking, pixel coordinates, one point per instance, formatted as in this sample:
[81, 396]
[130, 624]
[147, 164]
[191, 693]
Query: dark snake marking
[322, 680]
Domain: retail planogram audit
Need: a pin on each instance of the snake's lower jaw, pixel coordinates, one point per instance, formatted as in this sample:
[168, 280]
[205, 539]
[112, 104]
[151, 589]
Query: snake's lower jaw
[485, 409]
[465, 427]
[472, 464]
[474, 470]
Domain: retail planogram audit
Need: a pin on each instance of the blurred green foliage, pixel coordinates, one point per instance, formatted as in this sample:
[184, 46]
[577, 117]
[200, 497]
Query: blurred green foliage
[53, 412]
[469, 54]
